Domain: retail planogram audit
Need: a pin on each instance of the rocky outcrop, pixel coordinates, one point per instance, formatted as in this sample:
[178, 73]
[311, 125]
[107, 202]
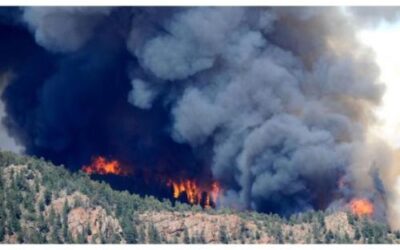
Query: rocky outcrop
[93, 219]
[171, 226]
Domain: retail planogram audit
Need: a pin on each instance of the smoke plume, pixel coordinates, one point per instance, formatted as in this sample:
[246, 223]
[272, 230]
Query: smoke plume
[274, 103]
[6, 142]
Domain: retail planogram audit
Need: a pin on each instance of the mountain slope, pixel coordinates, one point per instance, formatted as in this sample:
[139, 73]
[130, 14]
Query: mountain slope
[43, 203]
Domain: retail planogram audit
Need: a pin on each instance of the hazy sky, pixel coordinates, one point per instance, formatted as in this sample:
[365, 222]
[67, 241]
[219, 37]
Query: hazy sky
[385, 40]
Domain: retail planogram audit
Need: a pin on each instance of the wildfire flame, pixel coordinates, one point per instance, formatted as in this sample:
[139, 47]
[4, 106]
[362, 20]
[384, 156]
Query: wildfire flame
[361, 207]
[100, 165]
[196, 194]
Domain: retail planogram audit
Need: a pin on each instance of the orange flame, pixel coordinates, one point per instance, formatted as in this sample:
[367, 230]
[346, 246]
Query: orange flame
[194, 192]
[361, 207]
[101, 165]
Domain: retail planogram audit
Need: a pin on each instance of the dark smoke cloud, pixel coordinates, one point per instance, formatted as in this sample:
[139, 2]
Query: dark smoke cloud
[64, 29]
[272, 102]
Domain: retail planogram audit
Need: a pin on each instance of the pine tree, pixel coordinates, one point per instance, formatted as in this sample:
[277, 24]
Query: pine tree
[78, 202]
[242, 239]
[277, 231]
[94, 239]
[55, 222]
[114, 239]
[2, 229]
[186, 238]
[154, 236]
[29, 203]
[54, 236]
[36, 237]
[52, 216]
[130, 233]
[37, 185]
[142, 235]
[242, 232]
[88, 229]
[58, 222]
[47, 197]
[351, 219]
[65, 210]
[20, 237]
[346, 238]
[329, 237]
[15, 224]
[81, 237]
[42, 225]
[42, 206]
[66, 233]
[258, 235]
[102, 238]
[357, 235]
[223, 235]
[164, 240]
[397, 234]
[20, 183]
[321, 220]
[316, 231]
[202, 239]
[2, 219]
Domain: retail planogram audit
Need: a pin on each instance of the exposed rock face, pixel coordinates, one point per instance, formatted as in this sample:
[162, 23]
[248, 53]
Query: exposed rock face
[98, 221]
[86, 217]
[339, 222]
[171, 226]
[58, 203]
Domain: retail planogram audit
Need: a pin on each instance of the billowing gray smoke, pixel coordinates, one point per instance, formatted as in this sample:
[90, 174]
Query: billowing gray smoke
[281, 95]
[6, 142]
[276, 102]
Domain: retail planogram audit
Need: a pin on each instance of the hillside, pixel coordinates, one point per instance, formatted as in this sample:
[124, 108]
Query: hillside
[43, 203]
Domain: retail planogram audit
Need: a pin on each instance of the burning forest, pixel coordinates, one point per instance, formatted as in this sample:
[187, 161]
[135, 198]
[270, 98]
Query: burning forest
[205, 195]
[188, 190]
[264, 109]
[102, 166]
[361, 207]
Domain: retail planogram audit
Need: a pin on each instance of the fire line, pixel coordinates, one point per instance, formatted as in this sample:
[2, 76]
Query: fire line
[361, 207]
[195, 193]
[100, 165]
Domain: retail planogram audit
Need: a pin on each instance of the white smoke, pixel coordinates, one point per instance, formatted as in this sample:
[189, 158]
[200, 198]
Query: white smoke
[6, 142]
[141, 94]
[64, 29]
